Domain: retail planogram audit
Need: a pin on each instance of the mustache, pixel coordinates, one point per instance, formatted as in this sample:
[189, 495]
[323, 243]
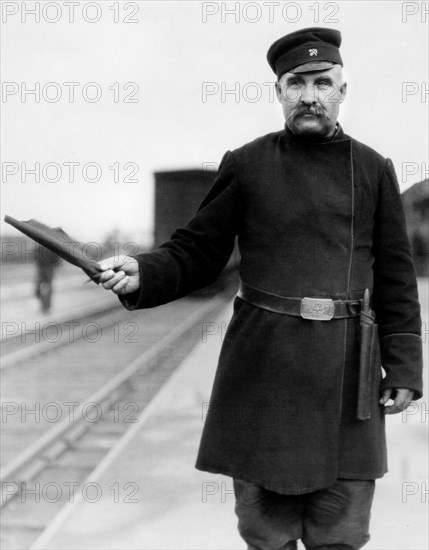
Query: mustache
[314, 110]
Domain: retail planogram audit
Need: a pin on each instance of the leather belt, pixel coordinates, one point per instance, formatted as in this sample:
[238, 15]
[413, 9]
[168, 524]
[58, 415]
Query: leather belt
[316, 309]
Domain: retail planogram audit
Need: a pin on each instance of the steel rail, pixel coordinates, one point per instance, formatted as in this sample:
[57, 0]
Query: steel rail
[33, 350]
[54, 436]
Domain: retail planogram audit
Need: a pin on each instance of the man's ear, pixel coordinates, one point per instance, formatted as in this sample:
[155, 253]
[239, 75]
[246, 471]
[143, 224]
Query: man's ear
[278, 91]
[343, 91]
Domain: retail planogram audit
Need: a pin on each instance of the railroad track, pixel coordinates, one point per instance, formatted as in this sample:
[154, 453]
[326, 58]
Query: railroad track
[26, 340]
[45, 455]
[22, 288]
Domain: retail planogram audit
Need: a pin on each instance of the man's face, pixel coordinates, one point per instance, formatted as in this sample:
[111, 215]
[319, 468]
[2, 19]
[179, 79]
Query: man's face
[311, 101]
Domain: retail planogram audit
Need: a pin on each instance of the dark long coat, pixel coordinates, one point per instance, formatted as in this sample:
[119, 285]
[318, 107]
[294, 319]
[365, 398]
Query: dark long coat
[313, 219]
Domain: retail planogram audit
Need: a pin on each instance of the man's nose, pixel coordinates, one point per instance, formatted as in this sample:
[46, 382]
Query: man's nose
[308, 95]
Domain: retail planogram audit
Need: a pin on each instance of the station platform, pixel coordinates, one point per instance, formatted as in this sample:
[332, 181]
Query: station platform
[151, 497]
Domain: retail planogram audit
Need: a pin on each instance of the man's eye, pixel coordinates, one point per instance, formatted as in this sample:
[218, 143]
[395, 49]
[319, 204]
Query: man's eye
[323, 84]
[293, 84]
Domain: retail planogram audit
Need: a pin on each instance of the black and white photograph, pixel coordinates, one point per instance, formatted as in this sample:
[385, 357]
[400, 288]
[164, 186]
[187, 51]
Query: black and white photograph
[214, 275]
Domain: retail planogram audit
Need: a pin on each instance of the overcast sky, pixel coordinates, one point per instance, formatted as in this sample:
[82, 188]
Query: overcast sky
[157, 117]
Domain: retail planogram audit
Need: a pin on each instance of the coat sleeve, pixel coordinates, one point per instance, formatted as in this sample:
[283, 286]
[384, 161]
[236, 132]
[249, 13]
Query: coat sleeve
[395, 296]
[196, 254]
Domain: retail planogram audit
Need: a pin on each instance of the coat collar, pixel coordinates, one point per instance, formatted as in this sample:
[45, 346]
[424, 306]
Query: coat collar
[293, 139]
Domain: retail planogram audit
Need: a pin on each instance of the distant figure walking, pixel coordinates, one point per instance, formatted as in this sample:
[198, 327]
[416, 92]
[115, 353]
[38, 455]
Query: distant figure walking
[46, 262]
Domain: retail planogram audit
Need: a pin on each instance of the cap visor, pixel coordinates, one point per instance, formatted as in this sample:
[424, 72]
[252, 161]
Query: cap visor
[312, 66]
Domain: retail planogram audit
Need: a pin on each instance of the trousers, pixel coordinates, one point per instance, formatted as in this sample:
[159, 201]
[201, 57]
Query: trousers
[335, 518]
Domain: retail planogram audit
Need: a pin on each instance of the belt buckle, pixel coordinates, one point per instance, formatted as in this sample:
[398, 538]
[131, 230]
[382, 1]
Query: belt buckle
[317, 309]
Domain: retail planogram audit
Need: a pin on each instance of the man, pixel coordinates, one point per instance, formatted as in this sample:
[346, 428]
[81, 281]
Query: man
[46, 264]
[319, 219]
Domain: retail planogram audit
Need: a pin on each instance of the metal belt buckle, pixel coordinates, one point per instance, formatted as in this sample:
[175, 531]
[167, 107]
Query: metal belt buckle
[317, 309]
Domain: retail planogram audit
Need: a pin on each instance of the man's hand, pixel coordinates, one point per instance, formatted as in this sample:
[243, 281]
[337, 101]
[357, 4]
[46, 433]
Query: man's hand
[120, 275]
[401, 399]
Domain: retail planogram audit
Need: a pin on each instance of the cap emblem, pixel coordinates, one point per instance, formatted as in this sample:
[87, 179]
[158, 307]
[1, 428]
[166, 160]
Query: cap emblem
[313, 51]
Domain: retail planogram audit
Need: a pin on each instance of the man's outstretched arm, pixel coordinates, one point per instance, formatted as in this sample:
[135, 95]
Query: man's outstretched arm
[191, 259]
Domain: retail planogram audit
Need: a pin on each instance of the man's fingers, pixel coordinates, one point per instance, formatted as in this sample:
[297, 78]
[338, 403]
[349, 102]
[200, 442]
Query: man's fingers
[121, 287]
[403, 398]
[110, 279]
[106, 265]
[106, 276]
[127, 264]
[120, 275]
[386, 396]
[392, 409]
[112, 263]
